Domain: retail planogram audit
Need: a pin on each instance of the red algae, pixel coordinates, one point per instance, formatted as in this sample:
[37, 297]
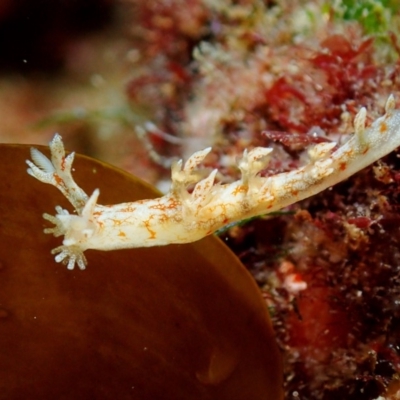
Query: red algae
[340, 332]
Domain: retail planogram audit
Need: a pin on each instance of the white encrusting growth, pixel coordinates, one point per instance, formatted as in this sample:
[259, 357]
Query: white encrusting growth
[182, 216]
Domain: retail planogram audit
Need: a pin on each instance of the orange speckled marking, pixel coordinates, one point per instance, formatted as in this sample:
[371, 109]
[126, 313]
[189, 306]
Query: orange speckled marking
[207, 185]
[122, 234]
[158, 206]
[240, 189]
[58, 180]
[169, 206]
[163, 218]
[383, 127]
[342, 166]
[116, 222]
[366, 150]
[128, 209]
[147, 226]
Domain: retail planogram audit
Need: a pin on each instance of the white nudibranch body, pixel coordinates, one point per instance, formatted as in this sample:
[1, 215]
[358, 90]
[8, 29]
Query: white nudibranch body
[182, 216]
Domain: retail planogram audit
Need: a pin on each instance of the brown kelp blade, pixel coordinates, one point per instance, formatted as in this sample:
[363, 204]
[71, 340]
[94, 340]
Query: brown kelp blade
[177, 322]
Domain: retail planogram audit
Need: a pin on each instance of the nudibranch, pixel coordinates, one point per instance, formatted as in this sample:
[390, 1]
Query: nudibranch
[184, 215]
